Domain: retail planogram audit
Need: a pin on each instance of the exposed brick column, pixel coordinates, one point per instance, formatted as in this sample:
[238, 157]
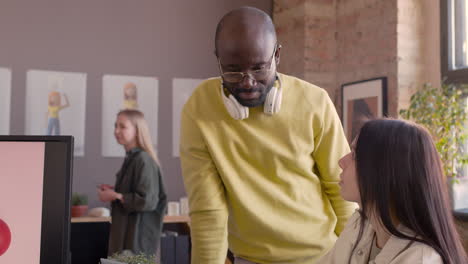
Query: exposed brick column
[321, 45]
[418, 47]
[343, 41]
[307, 30]
[350, 40]
[367, 44]
[289, 18]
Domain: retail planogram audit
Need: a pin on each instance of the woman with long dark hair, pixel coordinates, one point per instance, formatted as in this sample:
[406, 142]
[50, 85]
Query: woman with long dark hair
[395, 174]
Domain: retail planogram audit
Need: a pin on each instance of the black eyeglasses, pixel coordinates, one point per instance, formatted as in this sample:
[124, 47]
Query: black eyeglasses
[260, 74]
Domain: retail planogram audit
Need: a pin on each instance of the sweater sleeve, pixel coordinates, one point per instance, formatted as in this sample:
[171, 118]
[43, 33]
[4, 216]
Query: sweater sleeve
[206, 193]
[145, 196]
[330, 146]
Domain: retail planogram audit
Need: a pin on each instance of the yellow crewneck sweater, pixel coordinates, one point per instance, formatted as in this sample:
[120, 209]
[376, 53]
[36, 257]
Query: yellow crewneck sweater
[265, 185]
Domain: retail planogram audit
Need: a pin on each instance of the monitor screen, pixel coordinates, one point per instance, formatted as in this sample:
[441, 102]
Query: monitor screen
[35, 185]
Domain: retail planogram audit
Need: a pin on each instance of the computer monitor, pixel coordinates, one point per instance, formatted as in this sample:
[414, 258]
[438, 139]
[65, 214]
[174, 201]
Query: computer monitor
[35, 186]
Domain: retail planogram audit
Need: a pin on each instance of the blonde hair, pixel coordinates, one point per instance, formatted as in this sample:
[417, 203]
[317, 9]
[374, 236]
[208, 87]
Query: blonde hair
[143, 139]
[54, 94]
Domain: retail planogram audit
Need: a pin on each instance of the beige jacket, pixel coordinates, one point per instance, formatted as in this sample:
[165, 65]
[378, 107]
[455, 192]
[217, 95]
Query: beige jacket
[396, 250]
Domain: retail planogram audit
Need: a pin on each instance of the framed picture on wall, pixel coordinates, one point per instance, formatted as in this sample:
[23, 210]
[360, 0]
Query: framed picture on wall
[361, 101]
[120, 92]
[5, 97]
[56, 105]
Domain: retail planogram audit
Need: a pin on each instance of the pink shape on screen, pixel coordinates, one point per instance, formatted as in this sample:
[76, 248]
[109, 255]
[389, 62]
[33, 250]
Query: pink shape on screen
[5, 237]
[21, 183]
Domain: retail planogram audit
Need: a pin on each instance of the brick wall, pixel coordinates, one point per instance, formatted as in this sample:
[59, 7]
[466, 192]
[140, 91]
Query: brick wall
[289, 17]
[320, 44]
[367, 44]
[418, 46]
[350, 40]
[462, 227]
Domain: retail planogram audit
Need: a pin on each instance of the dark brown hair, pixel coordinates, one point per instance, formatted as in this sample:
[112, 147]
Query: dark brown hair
[400, 176]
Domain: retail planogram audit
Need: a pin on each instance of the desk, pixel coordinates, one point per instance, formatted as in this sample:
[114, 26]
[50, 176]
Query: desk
[90, 236]
[167, 219]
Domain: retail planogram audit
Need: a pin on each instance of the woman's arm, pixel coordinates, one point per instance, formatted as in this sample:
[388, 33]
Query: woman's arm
[145, 181]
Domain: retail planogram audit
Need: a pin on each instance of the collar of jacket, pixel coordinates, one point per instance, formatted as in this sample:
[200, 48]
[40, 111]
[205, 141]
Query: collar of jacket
[391, 249]
[132, 151]
[395, 246]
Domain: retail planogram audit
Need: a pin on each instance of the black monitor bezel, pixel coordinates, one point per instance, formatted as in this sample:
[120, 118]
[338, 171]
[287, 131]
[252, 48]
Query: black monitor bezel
[57, 186]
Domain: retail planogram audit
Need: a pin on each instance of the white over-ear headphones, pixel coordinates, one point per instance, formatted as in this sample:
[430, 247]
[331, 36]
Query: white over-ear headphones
[271, 105]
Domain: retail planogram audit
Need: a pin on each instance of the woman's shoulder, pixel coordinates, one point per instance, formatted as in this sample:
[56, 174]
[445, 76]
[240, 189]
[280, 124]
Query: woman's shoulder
[142, 156]
[352, 227]
[429, 254]
[418, 252]
[402, 250]
[341, 251]
[354, 221]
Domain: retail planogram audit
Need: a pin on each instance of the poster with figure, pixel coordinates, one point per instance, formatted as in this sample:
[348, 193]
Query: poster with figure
[56, 105]
[5, 99]
[121, 92]
[181, 91]
[362, 101]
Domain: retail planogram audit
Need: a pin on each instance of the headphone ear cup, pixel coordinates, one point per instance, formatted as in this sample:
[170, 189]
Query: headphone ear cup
[278, 100]
[273, 100]
[269, 106]
[242, 112]
[236, 110]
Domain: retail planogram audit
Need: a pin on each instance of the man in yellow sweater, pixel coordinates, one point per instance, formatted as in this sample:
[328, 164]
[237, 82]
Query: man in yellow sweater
[259, 154]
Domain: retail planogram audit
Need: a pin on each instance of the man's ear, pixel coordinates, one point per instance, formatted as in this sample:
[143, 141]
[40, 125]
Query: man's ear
[277, 54]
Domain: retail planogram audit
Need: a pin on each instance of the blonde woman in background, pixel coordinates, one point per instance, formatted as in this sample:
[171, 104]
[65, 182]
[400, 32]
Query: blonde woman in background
[53, 109]
[138, 200]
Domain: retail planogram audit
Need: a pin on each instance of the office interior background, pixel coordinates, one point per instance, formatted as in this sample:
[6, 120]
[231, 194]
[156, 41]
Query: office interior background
[329, 43]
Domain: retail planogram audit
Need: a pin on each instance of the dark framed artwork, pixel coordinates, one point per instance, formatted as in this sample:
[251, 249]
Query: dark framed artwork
[361, 101]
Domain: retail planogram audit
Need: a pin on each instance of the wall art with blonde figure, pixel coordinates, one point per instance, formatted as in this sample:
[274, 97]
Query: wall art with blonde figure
[121, 92]
[56, 105]
[5, 98]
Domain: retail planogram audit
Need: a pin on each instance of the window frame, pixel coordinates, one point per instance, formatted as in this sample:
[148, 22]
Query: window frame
[449, 76]
[457, 76]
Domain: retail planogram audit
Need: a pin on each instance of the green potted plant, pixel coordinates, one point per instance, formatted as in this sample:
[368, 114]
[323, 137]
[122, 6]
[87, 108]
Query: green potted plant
[79, 205]
[442, 111]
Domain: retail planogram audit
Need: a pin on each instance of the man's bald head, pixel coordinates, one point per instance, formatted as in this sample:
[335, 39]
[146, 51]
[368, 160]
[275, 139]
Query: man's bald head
[245, 23]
